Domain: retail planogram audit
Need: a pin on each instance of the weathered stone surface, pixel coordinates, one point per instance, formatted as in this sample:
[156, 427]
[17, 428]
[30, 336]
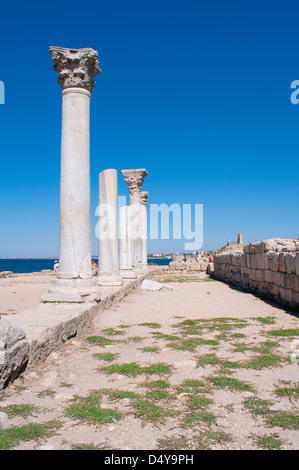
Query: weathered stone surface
[14, 352]
[270, 267]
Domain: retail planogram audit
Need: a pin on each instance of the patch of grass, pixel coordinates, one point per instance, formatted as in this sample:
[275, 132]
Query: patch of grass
[99, 341]
[265, 320]
[158, 394]
[157, 384]
[238, 335]
[209, 342]
[108, 357]
[196, 418]
[46, 393]
[150, 412]
[288, 392]
[134, 339]
[193, 387]
[23, 411]
[242, 348]
[174, 443]
[208, 438]
[89, 447]
[189, 344]
[151, 325]
[212, 360]
[133, 369]
[151, 349]
[11, 437]
[257, 406]
[88, 409]
[266, 347]
[208, 359]
[113, 332]
[231, 384]
[121, 394]
[263, 361]
[268, 442]
[198, 402]
[283, 420]
[291, 332]
[66, 385]
[160, 335]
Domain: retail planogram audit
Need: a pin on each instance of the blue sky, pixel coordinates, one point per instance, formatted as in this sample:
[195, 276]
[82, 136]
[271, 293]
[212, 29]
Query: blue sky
[196, 92]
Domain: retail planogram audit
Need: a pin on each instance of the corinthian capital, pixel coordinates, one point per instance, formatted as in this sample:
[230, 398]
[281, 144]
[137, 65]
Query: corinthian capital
[134, 179]
[144, 197]
[76, 68]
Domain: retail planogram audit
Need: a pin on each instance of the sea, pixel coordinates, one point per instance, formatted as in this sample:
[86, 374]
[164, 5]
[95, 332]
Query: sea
[33, 265]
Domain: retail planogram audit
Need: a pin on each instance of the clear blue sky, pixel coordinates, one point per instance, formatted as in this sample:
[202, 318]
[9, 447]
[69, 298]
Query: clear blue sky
[196, 92]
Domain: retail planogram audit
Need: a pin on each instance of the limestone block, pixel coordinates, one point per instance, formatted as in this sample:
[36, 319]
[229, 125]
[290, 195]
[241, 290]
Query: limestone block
[295, 298]
[297, 264]
[273, 260]
[289, 281]
[282, 263]
[210, 268]
[269, 245]
[274, 289]
[260, 275]
[290, 262]
[269, 276]
[14, 352]
[278, 279]
[259, 261]
[252, 274]
[195, 267]
[286, 294]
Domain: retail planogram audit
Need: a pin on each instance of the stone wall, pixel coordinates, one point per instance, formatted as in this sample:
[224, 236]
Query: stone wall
[270, 268]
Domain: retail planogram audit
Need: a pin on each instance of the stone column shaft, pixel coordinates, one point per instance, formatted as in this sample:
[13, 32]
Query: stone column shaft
[108, 269]
[143, 221]
[125, 244]
[76, 70]
[134, 180]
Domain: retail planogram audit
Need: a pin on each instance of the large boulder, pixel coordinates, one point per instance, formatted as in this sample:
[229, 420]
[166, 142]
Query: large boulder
[14, 352]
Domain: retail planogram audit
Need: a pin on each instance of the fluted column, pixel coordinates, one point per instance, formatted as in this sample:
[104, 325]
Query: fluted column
[76, 70]
[144, 199]
[108, 272]
[134, 180]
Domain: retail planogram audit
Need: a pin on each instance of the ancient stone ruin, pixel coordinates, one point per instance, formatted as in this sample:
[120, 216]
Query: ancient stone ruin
[270, 268]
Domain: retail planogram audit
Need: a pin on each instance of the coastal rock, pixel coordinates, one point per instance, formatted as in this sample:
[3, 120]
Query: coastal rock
[14, 352]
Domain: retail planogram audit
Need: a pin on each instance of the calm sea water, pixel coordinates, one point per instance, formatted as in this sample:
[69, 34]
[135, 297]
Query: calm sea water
[36, 265]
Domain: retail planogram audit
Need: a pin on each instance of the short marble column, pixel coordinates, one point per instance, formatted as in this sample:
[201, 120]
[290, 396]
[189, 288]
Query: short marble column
[134, 179]
[125, 244]
[144, 199]
[108, 266]
[76, 70]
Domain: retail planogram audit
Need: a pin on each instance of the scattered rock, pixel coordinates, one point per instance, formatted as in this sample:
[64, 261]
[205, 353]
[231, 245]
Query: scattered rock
[14, 352]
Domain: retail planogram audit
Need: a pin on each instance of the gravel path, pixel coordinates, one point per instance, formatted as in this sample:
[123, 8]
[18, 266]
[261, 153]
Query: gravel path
[203, 366]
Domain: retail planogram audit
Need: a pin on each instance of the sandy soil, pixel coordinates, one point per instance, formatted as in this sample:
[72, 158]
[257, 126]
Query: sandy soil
[20, 292]
[201, 366]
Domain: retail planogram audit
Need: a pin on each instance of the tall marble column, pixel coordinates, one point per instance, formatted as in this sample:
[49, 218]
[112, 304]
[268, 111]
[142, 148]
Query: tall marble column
[144, 199]
[134, 179]
[108, 271]
[76, 70]
[126, 249]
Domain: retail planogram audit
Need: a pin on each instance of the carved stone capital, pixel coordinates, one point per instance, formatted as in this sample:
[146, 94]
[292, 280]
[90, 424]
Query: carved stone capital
[144, 197]
[76, 68]
[134, 179]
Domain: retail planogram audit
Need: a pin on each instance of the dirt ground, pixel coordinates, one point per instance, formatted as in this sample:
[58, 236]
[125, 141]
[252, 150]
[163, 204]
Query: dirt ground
[23, 291]
[203, 366]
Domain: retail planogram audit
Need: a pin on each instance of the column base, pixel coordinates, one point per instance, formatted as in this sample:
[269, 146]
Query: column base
[73, 290]
[128, 274]
[109, 280]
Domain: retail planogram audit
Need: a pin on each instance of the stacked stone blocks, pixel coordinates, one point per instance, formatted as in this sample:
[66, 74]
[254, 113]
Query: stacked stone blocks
[270, 268]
